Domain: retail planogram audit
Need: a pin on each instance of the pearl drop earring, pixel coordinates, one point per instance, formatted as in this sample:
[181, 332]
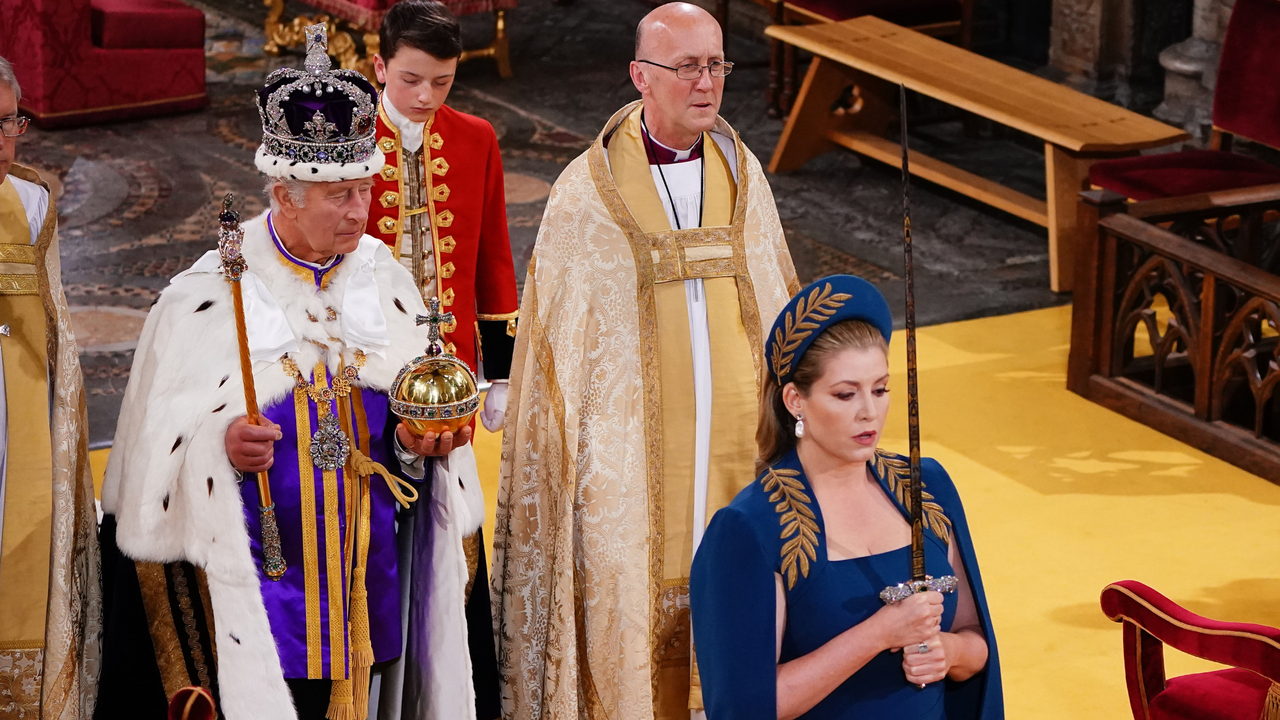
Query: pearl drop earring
[799, 426]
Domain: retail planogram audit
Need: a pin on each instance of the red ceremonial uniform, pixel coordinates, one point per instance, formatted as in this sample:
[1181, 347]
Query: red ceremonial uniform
[466, 204]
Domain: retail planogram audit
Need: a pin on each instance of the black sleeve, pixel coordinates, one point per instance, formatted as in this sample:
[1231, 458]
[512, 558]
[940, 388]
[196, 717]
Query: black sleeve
[496, 347]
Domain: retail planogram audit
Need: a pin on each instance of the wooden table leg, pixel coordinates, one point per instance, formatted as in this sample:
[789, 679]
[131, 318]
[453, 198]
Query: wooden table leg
[722, 16]
[806, 134]
[501, 44]
[1066, 173]
[788, 80]
[773, 92]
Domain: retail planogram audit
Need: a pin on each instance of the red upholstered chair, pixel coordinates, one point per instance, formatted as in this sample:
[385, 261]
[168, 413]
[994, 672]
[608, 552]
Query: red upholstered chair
[85, 61]
[1249, 690]
[1246, 102]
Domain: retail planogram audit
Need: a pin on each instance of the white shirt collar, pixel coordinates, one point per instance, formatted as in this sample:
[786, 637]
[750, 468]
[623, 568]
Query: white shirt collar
[410, 131]
[680, 154]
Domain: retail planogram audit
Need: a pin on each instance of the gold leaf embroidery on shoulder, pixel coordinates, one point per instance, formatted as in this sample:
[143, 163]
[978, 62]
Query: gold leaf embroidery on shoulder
[896, 471]
[799, 524]
[819, 306]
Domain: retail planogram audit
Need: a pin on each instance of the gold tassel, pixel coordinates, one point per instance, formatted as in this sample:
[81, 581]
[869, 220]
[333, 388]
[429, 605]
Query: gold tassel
[1272, 709]
[361, 640]
[341, 703]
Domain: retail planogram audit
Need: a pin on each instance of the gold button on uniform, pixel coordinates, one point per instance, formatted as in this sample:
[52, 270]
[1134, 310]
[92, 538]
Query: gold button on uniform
[439, 166]
[389, 199]
[440, 192]
[387, 144]
[446, 270]
[447, 244]
[437, 142]
[444, 219]
[390, 172]
[447, 298]
[388, 225]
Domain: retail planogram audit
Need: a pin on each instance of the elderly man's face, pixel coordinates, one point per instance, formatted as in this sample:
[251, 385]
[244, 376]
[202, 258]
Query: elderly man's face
[680, 110]
[8, 145]
[332, 219]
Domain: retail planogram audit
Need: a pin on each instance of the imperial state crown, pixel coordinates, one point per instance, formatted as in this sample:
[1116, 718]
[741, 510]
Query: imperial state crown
[318, 124]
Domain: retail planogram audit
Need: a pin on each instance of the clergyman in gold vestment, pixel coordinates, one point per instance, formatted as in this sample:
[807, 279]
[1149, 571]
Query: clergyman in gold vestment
[659, 264]
[50, 597]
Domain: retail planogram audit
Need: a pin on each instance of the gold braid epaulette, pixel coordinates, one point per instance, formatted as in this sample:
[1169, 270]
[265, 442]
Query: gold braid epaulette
[896, 471]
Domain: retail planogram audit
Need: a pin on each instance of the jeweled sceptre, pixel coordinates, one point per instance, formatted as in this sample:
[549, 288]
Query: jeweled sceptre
[920, 581]
[230, 236]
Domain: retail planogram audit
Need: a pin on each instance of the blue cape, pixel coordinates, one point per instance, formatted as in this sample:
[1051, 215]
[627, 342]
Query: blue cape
[769, 529]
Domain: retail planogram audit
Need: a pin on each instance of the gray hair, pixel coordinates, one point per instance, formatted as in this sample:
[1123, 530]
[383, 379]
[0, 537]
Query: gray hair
[7, 77]
[297, 190]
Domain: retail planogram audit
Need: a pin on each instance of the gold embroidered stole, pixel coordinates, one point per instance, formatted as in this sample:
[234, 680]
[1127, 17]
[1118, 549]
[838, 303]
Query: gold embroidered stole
[28, 502]
[715, 253]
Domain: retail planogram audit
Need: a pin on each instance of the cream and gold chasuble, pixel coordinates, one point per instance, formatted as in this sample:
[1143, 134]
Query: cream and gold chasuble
[595, 529]
[50, 598]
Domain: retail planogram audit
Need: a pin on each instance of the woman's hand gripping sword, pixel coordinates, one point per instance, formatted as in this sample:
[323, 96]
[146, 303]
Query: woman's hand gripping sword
[230, 236]
[920, 582]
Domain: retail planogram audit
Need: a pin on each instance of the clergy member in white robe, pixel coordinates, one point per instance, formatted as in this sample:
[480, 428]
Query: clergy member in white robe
[50, 598]
[635, 387]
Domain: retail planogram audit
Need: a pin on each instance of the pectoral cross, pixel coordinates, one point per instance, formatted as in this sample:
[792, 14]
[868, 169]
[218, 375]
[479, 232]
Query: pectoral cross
[433, 320]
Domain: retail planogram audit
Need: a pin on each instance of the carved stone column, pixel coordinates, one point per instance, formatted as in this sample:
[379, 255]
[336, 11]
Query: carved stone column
[1091, 43]
[1191, 69]
[1109, 48]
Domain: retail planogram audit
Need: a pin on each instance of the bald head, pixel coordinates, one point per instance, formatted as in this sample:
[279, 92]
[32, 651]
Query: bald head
[677, 111]
[677, 18]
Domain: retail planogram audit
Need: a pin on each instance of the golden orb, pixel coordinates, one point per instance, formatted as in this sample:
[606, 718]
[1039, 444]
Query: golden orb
[435, 392]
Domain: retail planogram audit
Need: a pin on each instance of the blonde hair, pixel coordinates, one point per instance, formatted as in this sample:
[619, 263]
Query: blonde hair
[776, 428]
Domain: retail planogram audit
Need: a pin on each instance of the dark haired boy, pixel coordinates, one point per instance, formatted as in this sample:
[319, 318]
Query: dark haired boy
[439, 203]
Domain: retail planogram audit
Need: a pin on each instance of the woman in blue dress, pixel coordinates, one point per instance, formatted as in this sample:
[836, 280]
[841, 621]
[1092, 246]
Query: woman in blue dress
[787, 618]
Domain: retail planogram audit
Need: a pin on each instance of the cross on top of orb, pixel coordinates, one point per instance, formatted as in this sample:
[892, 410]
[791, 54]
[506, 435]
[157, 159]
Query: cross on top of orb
[433, 320]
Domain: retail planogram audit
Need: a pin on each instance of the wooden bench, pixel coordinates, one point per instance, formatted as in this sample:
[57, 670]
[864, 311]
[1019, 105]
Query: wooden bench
[874, 56]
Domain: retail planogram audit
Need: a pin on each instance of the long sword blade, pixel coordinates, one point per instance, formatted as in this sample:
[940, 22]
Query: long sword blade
[913, 389]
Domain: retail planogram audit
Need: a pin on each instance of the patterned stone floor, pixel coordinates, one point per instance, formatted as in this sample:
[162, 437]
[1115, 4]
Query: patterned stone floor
[137, 199]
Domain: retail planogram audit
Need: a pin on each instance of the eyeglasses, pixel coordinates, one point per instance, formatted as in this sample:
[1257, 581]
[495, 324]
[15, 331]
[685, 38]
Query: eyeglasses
[693, 71]
[14, 125]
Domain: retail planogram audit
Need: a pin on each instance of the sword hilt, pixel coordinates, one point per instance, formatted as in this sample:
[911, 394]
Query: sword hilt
[897, 593]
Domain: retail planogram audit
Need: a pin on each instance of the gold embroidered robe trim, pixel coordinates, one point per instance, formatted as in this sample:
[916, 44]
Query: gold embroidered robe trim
[28, 506]
[581, 492]
[714, 253]
[59, 671]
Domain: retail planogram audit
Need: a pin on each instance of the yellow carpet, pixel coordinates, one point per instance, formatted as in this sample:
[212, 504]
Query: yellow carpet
[1064, 496]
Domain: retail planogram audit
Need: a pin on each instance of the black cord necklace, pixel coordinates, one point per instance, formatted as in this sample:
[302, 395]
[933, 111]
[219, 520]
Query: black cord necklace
[702, 177]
